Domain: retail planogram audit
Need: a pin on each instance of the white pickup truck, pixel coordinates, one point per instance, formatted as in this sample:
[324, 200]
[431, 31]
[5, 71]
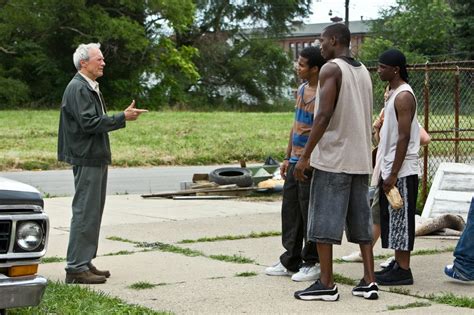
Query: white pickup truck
[24, 229]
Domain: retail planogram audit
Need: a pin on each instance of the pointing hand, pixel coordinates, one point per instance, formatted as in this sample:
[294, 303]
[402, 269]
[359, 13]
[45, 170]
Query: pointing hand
[132, 113]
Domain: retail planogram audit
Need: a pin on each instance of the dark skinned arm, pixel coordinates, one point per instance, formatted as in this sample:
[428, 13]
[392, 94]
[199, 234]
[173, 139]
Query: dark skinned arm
[284, 165]
[405, 106]
[329, 84]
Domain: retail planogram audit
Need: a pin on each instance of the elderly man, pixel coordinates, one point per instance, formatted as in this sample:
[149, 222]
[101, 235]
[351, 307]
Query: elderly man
[83, 142]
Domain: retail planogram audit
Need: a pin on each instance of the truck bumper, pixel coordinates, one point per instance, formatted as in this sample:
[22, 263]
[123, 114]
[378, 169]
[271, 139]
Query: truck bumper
[21, 291]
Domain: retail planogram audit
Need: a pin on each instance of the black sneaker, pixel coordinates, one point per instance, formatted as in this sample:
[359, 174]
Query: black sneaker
[368, 291]
[395, 276]
[386, 269]
[317, 291]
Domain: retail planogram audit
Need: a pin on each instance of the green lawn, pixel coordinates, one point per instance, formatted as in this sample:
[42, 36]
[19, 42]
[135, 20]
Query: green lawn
[157, 138]
[29, 138]
[61, 298]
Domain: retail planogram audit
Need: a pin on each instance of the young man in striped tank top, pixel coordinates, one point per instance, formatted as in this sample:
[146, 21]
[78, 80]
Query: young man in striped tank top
[299, 256]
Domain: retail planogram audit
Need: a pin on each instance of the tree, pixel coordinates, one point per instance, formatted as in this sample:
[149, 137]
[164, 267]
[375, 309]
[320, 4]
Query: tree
[413, 26]
[464, 26]
[238, 59]
[157, 51]
[37, 39]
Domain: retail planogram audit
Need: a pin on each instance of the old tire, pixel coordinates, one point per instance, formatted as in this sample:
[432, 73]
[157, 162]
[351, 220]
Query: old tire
[231, 175]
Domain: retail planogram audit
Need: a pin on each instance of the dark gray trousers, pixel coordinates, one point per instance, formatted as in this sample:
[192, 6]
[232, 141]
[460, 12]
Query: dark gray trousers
[294, 221]
[87, 208]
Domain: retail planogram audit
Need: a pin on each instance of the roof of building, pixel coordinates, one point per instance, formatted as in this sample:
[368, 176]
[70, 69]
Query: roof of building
[301, 30]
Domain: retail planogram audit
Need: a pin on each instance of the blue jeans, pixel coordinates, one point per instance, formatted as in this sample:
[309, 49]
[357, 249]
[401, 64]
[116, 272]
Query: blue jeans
[464, 252]
[339, 200]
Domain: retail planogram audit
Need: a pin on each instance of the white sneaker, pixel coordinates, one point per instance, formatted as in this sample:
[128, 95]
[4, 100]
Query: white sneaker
[307, 273]
[386, 263]
[278, 270]
[354, 257]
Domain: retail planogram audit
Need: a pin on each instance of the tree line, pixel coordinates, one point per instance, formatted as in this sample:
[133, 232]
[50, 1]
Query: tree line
[190, 53]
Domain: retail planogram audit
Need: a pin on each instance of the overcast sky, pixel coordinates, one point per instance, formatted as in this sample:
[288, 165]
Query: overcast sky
[367, 8]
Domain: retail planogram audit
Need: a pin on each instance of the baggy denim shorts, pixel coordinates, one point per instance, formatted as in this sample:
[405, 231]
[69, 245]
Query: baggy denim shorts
[338, 201]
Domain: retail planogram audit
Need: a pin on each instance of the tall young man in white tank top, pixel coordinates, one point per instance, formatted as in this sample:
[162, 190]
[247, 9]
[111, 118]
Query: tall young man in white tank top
[398, 154]
[341, 140]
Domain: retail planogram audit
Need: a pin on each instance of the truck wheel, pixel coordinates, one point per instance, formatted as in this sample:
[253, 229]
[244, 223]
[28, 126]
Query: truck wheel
[231, 175]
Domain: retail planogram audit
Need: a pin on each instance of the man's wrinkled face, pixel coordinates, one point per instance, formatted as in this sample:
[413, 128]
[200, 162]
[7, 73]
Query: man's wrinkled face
[94, 67]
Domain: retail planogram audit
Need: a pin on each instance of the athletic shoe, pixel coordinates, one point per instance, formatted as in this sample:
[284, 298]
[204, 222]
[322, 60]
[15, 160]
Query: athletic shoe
[387, 263]
[307, 273]
[278, 270]
[395, 276]
[353, 257]
[317, 291]
[386, 269]
[453, 275]
[368, 291]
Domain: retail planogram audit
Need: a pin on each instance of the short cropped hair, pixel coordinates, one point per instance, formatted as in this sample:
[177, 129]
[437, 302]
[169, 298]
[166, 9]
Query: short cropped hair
[82, 53]
[340, 31]
[313, 55]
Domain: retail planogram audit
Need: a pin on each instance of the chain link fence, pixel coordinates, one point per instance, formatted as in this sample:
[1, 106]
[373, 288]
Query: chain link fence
[445, 95]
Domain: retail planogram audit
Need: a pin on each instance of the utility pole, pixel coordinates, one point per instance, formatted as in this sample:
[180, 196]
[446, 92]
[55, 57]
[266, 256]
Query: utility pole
[346, 20]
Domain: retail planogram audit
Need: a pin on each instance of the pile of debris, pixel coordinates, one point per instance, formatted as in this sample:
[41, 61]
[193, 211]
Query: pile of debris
[229, 182]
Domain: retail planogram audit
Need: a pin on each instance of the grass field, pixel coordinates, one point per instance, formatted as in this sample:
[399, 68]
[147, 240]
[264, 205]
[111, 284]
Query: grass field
[29, 138]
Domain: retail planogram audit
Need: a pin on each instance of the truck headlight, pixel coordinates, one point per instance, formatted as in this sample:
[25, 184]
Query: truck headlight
[29, 235]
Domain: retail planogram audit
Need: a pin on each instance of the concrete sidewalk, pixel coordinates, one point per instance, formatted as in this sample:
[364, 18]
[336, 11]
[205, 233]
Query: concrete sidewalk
[201, 284]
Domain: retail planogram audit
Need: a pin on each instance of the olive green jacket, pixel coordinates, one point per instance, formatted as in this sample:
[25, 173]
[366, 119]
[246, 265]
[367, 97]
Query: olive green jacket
[83, 129]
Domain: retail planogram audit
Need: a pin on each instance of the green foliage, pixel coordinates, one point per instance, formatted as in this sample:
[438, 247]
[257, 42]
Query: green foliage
[246, 274]
[158, 52]
[37, 40]
[236, 66]
[61, 298]
[13, 91]
[464, 26]
[238, 259]
[453, 300]
[53, 259]
[231, 237]
[142, 285]
[413, 26]
[338, 278]
[407, 306]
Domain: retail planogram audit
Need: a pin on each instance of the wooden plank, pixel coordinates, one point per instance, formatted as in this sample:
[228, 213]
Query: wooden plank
[170, 194]
[208, 197]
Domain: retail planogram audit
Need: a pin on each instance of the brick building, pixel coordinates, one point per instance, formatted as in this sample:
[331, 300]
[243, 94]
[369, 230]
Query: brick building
[305, 35]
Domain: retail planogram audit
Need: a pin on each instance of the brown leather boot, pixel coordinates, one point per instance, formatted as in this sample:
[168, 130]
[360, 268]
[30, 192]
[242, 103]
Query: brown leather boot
[85, 277]
[94, 270]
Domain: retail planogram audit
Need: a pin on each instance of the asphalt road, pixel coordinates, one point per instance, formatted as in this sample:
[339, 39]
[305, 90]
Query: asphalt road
[121, 180]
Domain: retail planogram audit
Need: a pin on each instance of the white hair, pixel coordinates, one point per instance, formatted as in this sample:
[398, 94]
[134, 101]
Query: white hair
[82, 53]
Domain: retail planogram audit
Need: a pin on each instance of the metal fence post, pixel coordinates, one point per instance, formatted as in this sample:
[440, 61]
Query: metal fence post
[457, 102]
[426, 103]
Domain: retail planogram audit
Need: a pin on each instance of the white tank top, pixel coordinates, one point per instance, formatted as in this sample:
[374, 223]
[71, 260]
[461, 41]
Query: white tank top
[345, 146]
[389, 138]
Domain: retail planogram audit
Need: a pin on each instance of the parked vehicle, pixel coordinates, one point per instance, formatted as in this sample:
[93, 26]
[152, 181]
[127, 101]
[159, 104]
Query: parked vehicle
[24, 230]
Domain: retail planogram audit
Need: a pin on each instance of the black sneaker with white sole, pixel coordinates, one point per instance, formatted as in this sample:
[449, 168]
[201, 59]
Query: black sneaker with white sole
[368, 291]
[395, 276]
[386, 269]
[317, 291]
